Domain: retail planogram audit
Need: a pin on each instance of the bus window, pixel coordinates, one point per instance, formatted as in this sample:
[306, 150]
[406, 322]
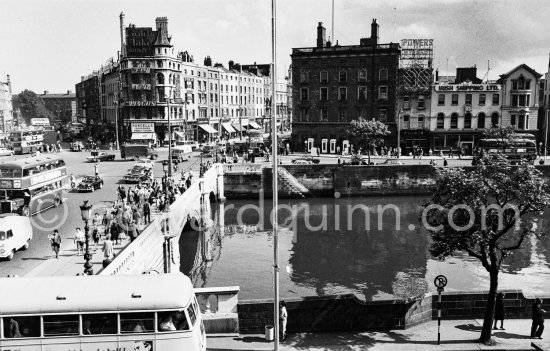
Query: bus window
[166, 321]
[141, 322]
[180, 321]
[22, 327]
[192, 313]
[60, 325]
[94, 324]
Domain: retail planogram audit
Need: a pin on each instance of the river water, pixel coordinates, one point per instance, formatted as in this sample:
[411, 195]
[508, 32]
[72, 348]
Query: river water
[328, 248]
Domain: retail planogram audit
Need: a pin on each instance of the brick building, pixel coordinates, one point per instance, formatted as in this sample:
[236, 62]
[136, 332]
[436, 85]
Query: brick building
[62, 106]
[88, 103]
[333, 85]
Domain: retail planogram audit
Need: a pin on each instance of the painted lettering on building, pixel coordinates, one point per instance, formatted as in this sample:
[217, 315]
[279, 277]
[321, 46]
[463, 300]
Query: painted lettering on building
[468, 87]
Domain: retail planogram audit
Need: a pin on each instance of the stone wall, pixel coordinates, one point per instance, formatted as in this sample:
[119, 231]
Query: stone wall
[242, 185]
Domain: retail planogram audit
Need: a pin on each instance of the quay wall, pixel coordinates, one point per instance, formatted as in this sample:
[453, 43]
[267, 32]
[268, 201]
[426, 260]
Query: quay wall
[326, 180]
[349, 313]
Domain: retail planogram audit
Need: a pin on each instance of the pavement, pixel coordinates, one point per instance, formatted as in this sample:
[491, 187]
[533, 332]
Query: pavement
[455, 335]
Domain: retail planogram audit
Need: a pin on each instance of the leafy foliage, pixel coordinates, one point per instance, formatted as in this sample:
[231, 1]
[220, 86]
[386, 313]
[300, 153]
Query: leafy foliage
[367, 134]
[503, 134]
[31, 106]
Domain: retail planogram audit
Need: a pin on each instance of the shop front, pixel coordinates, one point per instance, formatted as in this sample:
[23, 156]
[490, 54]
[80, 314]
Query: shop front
[412, 141]
[452, 142]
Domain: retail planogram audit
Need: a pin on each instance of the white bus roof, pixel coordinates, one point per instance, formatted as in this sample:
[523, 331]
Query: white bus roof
[42, 295]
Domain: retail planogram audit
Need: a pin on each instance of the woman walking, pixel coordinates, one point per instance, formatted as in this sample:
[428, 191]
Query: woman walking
[499, 311]
[283, 317]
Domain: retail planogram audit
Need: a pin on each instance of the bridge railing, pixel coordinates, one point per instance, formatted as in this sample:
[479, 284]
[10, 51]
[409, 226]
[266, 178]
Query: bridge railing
[242, 167]
[219, 309]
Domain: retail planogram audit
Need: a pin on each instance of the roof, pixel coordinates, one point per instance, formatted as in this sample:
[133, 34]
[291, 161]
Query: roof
[94, 293]
[524, 66]
[33, 160]
[162, 39]
[58, 96]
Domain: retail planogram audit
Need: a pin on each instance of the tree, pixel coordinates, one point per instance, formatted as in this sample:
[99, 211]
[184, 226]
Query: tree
[481, 211]
[367, 134]
[31, 106]
[503, 134]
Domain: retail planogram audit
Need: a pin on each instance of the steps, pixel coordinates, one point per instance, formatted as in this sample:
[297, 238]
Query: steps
[291, 184]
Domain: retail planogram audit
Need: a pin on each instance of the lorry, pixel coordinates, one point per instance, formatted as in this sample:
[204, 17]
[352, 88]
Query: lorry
[137, 151]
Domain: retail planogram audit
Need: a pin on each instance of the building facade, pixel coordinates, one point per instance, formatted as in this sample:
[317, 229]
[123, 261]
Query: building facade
[88, 103]
[6, 106]
[62, 106]
[334, 85]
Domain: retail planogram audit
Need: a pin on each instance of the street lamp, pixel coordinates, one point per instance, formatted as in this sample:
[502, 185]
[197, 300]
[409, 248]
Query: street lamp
[167, 244]
[86, 213]
[164, 165]
[201, 170]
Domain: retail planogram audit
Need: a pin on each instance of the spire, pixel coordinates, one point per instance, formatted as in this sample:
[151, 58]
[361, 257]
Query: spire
[162, 39]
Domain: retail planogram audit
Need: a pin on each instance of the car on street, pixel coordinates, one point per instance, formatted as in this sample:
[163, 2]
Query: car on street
[145, 164]
[77, 146]
[6, 152]
[392, 161]
[97, 156]
[89, 183]
[358, 161]
[306, 160]
[15, 234]
[137, 174]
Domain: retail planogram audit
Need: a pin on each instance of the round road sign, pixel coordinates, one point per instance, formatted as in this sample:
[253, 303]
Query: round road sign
[440, 281]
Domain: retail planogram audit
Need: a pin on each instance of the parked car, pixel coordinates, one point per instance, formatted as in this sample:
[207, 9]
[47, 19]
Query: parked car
[6, 152]
[306, 160]
[77, 146]
[358, 161]
[145, 164]
[137, 151]
[15, 234]
[97, 156]
[137, 174]
[67, 137]
[392, 161]
[89, 183]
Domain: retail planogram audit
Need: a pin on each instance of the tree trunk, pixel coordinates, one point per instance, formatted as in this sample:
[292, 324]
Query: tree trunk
[368, 153]
[490, 309]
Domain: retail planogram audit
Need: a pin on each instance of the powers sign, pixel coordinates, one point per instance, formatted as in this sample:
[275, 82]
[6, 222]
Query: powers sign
[143, 127]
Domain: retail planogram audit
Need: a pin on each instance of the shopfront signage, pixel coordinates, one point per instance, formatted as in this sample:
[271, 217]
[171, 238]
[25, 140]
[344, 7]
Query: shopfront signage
[143, 127]
[468, 87]
[141, 70]
[140, 103]
[141, 86]
[40, 122]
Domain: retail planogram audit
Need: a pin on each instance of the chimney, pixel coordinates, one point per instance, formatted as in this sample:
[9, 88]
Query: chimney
[68, 92]
[162, 24]
[374, 32]
[208, 61]
[231, 63]
[46, 92]
[122, 39]
[437, 75]
[321, 35]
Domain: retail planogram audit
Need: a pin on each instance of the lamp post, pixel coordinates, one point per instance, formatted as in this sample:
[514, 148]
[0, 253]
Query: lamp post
[169, 136]
[167, 244]
[201, 170]
[86, 213]
[164, 164]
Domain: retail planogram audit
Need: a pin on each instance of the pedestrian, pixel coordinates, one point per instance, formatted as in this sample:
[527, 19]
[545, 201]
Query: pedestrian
[108, 249]
[96, 169]
[79, 240]
[115, 232]
[146, 212]
[445, 163]
[499, 311]
[132, 231]
[537, 315]
[55, 239]
[283, 317]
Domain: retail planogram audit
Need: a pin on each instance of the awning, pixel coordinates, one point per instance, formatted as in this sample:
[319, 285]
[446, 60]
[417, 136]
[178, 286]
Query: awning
[180, 134]
[143, 136]
[228, 128]
[254, 125]
[207, 128]
[238, 128]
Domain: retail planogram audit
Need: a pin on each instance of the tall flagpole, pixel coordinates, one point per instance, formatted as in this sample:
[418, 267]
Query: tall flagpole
[275, 173]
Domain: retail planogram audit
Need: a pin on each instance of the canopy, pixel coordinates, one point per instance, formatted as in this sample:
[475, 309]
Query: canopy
[207, 128]
[143, 136]
[254, 125]
[239, 128]
[180, 134]
[228, 128]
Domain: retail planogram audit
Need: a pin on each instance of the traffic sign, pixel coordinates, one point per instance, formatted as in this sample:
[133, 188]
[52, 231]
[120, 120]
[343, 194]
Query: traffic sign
[440, 281]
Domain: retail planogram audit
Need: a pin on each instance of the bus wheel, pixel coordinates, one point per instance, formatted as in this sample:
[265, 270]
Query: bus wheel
[56, 201]
[10, 256]
[25, 211]
[27, 244]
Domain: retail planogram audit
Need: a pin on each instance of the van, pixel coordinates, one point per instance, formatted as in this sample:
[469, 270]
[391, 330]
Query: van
[15, 234]
[136, 151]
[182, 153]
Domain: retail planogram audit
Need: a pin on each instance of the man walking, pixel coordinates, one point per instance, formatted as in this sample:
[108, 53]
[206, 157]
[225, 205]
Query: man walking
[79, 240]
[146, 212]
[55, 239]
[537, 327]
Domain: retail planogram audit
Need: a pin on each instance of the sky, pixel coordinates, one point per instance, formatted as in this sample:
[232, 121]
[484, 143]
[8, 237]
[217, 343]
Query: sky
[50, 44]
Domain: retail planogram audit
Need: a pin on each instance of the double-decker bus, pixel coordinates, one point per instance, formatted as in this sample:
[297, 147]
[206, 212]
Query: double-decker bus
[26, 141]
[111, 312]
[31, 185]
[517, 150]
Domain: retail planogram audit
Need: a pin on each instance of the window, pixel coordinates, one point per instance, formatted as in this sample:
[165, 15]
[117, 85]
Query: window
[93, 324]
[171, 321]
[454, 121]
[513, 120]
[420, 121]
[468, 99]
[22, 327]
[140, 322]
[305, 114]
[454, 99]
[421, 102]
[406, 102]
[494, 120]
[383, 74]
[521, 122]
[496, 99]
[383, 92]
[468, 120]
[343, 77]
[61, 325]
[362, 93]
[342, 94]
[481, 99]
[160, 78]
[304, 94]
[441, 100]
[481, 120]
[323, 94]
[304, 76]
[362, 75]
[342, 114]
[440, 121]
[324, 77]
[192, 312]
[159, 63]
[323, 114]
[382, 115]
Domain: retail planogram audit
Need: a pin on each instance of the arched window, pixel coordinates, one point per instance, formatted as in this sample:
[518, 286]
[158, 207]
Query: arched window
[494, 120]
[454, 120]
[134, 64]
[468, 120]
[383, 74]
[160, 78]
[481, 120]
[440, 121]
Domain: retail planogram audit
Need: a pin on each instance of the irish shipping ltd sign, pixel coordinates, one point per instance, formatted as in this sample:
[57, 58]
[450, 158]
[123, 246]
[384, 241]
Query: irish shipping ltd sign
[468, 87]
[142, 127]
